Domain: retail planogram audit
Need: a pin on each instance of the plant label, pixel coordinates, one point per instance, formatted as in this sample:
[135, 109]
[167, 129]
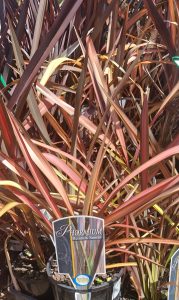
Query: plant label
[80, 249]
[173, 290]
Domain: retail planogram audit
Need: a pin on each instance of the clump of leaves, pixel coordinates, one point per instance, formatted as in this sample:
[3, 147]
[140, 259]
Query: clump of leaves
[89, 124]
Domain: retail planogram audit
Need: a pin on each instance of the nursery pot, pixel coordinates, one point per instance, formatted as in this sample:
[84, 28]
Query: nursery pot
[32, 282]
[105, 291]
[40, 289]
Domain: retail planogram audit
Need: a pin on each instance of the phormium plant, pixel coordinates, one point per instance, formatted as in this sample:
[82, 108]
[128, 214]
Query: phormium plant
[89, 125]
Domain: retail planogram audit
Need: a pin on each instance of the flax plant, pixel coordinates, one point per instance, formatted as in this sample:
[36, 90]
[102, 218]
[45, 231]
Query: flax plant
[89, 124]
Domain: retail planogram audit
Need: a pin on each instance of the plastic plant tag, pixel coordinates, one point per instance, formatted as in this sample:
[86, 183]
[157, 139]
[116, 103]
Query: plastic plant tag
[80, 249]
[173, 290]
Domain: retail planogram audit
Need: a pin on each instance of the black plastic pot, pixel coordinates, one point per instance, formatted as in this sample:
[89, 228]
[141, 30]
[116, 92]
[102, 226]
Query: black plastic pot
[36, 284]
[15, 295]
[101, 292]
[38, 288]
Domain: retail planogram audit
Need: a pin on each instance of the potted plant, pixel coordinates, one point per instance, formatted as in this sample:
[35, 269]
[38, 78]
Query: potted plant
[94, 138]
[26, 248]
[36, 223]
